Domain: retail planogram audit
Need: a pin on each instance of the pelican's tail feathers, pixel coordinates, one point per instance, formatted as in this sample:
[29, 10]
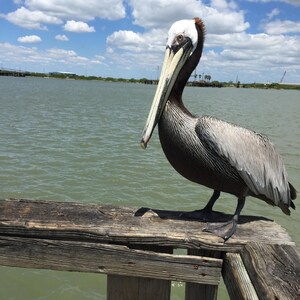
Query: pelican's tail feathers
[293, 195]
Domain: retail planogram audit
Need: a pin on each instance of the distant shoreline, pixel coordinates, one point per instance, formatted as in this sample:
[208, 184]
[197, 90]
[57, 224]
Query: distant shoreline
[201, 83]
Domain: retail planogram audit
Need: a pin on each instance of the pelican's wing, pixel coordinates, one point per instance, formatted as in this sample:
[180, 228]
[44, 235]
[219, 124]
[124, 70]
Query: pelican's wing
[253, 155]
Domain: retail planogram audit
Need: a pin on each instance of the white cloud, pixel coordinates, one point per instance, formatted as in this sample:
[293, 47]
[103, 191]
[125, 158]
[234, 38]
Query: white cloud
[292, 2]
[78, 26]
[54, 57]
[220, 23]
[220, 18]
[244, 41]
[275, 12]
[98, 59]
[163, 12]
[80, 9]
[31, 19]
[57, 53]
[253, 55]
[35, 13]
[152, 41]
[109, 50]
[126, 39]
[281, 27]
[223, 4]
[29, 39]
[61, 37]
[69, 56]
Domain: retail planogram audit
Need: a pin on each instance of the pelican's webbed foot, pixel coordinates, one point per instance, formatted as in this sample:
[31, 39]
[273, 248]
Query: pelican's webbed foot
[226, 229]
[222, 229]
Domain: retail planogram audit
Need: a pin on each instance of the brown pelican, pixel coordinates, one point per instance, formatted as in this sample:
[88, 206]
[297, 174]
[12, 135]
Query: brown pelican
[219, 155]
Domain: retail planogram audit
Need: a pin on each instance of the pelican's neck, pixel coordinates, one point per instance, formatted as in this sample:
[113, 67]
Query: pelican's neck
[185, 73]
[187, 69]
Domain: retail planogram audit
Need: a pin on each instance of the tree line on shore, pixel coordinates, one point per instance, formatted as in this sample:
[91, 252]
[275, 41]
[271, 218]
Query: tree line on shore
[204, 82]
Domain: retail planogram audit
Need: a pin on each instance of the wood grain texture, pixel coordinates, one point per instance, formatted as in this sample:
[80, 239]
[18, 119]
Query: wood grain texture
[138, 288]
[236, 278]
[196, 291]
[107, 259]
[274, 270]
[135, 288]
[102, 223]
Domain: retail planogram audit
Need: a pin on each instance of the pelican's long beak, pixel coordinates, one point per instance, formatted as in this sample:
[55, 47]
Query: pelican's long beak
[173, 63]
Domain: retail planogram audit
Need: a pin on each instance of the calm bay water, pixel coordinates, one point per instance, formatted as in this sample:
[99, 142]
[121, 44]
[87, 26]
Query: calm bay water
[79, 141]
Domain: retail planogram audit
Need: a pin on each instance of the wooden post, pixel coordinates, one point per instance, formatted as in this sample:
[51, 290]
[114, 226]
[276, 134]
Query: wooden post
[236, 278]
[274, 270]
[196, 291]
[137, 288]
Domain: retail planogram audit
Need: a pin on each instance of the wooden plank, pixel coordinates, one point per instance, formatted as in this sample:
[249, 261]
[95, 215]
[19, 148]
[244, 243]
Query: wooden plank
[274, 270]
[100, 223]
[195, 291]
[236, 278]
[106, 259]
[135, 288]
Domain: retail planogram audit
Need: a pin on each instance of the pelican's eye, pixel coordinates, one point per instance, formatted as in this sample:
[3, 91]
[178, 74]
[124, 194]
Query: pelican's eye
[179, 38]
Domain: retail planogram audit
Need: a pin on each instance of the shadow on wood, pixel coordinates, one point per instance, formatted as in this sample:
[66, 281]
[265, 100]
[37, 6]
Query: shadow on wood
[180, 215]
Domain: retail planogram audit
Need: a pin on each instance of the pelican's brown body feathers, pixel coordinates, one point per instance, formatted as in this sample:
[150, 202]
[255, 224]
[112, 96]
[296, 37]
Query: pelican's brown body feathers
[224, 157]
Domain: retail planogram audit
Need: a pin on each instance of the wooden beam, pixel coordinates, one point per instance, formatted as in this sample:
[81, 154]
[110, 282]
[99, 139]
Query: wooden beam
[236, 278]
[274, 270]
[103, 223]
[196, 291]
[106, 259]
[137, 288]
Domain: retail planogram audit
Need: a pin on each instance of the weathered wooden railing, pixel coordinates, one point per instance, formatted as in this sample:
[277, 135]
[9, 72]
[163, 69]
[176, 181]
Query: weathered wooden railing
[135, 249]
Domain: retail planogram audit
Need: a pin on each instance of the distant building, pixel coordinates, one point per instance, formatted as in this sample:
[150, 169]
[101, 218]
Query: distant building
[67, 74]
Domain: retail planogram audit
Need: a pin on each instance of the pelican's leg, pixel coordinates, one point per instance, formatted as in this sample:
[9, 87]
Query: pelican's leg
[215, 196]
[204, 213]
[226, 229]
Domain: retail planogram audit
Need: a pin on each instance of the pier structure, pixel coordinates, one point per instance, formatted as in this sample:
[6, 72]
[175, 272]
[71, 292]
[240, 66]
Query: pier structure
[136, 249]
[15, 73]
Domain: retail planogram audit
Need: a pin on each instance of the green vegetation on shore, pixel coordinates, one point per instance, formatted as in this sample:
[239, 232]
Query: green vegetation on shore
[276, 86]
[202, 83]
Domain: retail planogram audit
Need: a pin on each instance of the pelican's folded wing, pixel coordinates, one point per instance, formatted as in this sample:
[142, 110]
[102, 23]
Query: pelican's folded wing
[253, 155]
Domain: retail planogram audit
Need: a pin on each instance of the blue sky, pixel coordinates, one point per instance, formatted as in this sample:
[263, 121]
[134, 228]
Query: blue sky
[254, 40]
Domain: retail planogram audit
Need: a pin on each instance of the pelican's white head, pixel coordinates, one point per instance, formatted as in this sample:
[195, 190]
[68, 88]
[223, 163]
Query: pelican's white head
[181, 30]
